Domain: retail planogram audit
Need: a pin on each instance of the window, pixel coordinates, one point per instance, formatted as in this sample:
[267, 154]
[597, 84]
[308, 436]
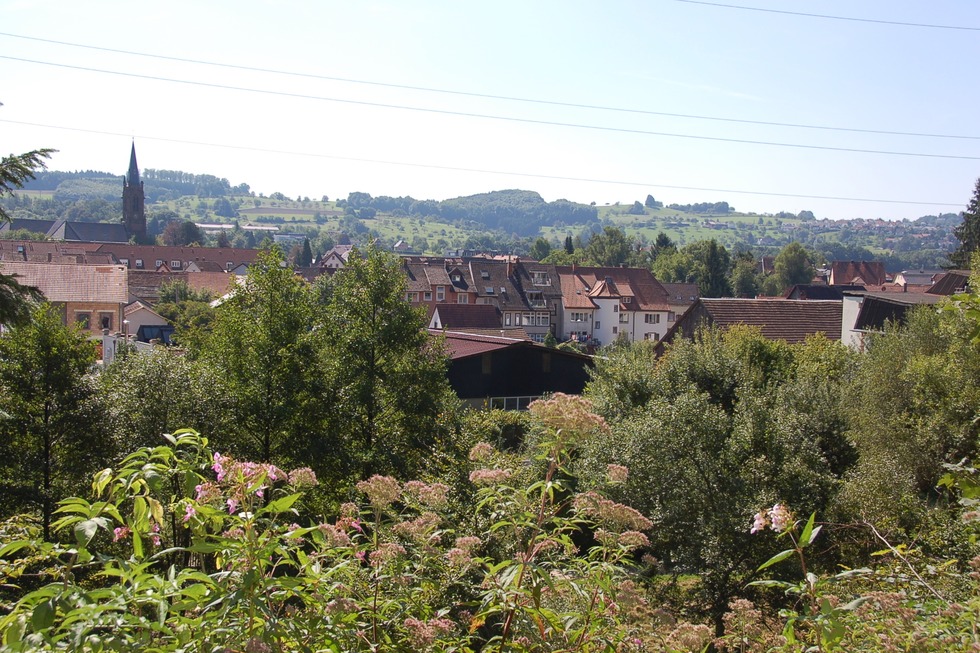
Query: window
[174, 265]
[139, 264]
[440, 293]
[627, 300]
[544, 319]
[540, 278]
[489, 290]
[651, 336]
[536, 299]
[462, 298]
[517, 319]
[84, 319]
[652, 318]
[229, 265]
[506, 319]
[597, 327]
[671, 316]
[427, 295]
[624, 318]
[456, 277]
[411, 297]
[616, 308]
[105, 320]
[615, 330]
[484, 274]
[578, 317]
[536, 337]
[158, 263]
[124, 261]
[529, 319]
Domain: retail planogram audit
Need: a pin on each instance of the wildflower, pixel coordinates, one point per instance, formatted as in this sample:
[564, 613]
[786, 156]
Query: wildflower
[349, 509]
[468, 543]
[381, 491]
[232, 506]
[433, 495]
[571, 414]
[120, 533]
[617, 473]
[607, 512]
[385, 552]
[633, 539]
[189, 511]
[207, 493]
[155, 534]
[481, 451]
[759, 522]
[334, 535]
[780, 518]
[457, 557]
[489, 476]
[219, 465]
[302, 477]
[234, 534]
[419, 528]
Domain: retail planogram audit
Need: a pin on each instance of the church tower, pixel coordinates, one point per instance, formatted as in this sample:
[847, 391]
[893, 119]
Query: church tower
[134, 207]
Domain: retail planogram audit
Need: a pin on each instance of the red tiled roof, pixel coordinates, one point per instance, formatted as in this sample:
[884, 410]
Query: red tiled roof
[866, 273]
[73, 283]
[463, 345]
[778, 319]
[460, 316]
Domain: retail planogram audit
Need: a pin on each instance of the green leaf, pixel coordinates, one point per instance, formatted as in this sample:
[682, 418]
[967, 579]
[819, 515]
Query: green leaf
[282, 504]
[43, 616]
[86, 530]
[807, 536]
[779, 557]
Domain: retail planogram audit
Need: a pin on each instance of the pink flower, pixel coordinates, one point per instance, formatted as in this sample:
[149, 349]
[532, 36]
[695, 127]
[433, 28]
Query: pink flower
[120, 533]
[780, 518]
[219, 465]
[189, 511]
[617, 473]
[232, 506]
[759, 522]
[481, 451]
[302, 477]
[154, 534]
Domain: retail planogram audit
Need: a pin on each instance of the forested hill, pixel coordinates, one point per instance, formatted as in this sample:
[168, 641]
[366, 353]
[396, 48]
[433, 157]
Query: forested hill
[521, 212]
[159, 185]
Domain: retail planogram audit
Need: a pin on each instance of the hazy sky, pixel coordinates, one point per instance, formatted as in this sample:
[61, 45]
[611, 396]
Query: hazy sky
[437, 99]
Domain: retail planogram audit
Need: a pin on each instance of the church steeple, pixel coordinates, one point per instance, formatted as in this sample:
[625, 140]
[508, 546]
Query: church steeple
[133, 177]
[134, 204]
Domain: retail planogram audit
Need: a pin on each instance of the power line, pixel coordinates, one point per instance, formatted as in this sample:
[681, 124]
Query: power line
[468, 114]
[829, 17]
[573, 105]
[529, 175]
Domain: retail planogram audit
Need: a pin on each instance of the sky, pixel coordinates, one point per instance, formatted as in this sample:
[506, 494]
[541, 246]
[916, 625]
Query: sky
[859, 110]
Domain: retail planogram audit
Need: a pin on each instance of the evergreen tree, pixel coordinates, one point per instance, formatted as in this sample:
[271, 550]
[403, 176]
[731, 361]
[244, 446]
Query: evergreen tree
[968, 233]
[569, 246]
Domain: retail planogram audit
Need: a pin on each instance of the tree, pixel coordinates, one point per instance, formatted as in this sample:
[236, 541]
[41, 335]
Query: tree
[711, 265]
[636, 209]
[792, 266]
[261, 344]
[15, 298]
[540, 249]
[611, 248]
[387, 374]
[51, 435]
[968, 232]
[180, 233]
[651, 203]
[569, 246]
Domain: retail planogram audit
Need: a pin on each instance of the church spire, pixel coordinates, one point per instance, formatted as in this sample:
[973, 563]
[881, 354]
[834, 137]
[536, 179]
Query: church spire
[133, 177]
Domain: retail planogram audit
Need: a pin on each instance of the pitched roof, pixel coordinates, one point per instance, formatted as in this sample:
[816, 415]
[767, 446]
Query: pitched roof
[790, 320]
[681, 293]
[867, 273]
[466, 316]
[145, 284]
[152, 253]
[952, 282]
[878, 308]
[462, 345]
[73, 283]
[819, 291]
[34, 226]
[645, 293]
[93, 232]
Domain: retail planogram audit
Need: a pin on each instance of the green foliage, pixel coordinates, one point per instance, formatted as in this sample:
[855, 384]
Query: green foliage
[17, 169]
[968, 232]
[792, 266]
[611, 248]
[50, 434]
[385, 373]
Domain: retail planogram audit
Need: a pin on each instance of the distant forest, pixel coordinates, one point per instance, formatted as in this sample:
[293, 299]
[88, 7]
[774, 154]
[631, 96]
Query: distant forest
[159, 185]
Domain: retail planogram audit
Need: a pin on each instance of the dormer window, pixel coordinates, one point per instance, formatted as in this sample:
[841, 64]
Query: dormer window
[456, 277]
[489, 290]
[484, 274]
[139, 264]
[627, 300]
[539, 278]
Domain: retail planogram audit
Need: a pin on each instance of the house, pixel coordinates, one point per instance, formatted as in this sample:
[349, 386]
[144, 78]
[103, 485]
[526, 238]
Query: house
[680, 297]
[92, 296]
[790, 320]
[950, 283]
[53, 252]
[868, 312]
[605, 304]
[917, 277]
[89, 232]
[145, 284]
[820, 291]
[145, 324]
[464, 317]
[861, 273]
[177, 259]
[503, 372]
[334, 259]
